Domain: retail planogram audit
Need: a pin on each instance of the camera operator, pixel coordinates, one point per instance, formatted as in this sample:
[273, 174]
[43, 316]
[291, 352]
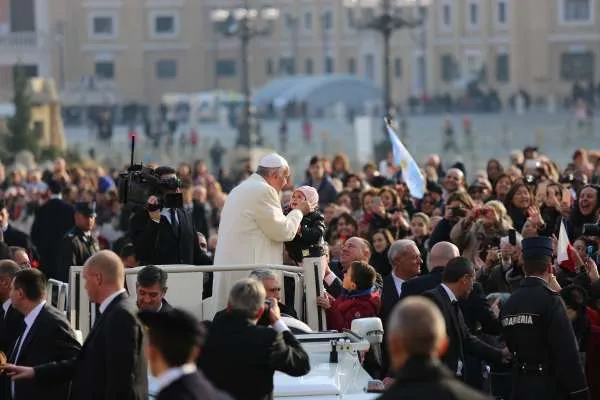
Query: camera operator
[164, 234]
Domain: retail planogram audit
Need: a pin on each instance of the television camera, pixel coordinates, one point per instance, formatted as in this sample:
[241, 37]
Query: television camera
[140, 182]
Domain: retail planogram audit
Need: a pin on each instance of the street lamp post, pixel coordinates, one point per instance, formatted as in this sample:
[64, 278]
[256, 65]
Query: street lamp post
[384, 16]
[245, 23]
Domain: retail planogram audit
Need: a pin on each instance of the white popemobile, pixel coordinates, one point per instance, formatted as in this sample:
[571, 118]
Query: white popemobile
[336, 371]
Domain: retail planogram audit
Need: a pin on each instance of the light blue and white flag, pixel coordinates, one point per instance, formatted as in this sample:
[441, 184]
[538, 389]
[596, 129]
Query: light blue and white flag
[411, 174]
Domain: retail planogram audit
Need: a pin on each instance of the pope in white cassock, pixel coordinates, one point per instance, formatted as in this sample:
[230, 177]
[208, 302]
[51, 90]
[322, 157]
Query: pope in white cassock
[253, 227]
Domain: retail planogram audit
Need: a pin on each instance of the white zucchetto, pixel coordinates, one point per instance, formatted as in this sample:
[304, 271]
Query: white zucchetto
[273, 160]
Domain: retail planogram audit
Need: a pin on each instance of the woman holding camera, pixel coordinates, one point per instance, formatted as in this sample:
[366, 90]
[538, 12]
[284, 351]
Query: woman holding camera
[480, 231]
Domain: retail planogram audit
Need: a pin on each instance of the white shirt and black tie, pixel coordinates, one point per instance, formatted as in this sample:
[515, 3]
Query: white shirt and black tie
[456, 308]
[398, 282]
[171, 215]
[29, 321]
[5, 306]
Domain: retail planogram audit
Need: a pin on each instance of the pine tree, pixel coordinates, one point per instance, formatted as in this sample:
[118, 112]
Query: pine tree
[22, 136]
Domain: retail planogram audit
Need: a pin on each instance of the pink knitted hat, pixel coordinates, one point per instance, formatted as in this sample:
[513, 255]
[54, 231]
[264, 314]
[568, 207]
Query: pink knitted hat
[311, 195]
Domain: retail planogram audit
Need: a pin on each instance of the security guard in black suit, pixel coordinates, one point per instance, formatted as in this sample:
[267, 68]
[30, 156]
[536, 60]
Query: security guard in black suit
[78, 244]
[174, 341]
[538, 333]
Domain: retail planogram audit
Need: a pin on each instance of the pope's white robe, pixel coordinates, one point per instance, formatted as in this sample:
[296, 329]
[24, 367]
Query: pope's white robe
[251, 231]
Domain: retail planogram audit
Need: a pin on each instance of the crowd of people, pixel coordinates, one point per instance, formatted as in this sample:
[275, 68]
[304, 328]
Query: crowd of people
[526, 230]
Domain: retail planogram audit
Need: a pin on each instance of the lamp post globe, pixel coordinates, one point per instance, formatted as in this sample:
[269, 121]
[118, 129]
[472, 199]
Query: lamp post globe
[245, 23]
[386, 17]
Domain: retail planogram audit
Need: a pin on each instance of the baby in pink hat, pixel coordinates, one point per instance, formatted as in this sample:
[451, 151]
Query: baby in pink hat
[309, 239]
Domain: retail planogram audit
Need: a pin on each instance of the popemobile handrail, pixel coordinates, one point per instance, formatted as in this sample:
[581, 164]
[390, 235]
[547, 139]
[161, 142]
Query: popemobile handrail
[82, 321]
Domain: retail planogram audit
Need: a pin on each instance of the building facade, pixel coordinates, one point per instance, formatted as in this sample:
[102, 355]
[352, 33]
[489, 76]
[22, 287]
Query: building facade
[24, 41]
[144, 48]
[541, 46]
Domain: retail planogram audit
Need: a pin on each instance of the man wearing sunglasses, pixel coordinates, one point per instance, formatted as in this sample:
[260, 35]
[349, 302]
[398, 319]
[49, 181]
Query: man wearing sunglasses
[273, 288]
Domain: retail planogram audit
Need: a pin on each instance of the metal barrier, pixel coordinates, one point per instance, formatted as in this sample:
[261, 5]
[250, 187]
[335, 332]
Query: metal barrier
[57, 293]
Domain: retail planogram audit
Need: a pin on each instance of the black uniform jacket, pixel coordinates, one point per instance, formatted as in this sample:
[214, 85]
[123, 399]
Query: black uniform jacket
[539, 334]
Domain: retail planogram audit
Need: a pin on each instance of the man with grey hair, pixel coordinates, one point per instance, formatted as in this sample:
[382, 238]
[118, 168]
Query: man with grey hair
[416, 340]
[405, 259]
[253, 228]
[272, 286]
[235, 343]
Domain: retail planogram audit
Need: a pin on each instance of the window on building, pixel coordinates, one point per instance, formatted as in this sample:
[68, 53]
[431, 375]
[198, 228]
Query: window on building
[398, 67]
[502, 68]
[501, 17]
[103, 25]
[327, 20]
[24, 70]
[22, 15]
[166, 69]
[309, 68]
[446, 15]
[370, 67]
[308, 25]
[225, 68]
[287, 66]
[288, 22]
[577, 10]
[352, 66]
[473, 14]
[350, 17]
[399, 11]
[269, 67]
[447, 62]
[329, 67]
[164, 25]
[577, 66]
[104, 70]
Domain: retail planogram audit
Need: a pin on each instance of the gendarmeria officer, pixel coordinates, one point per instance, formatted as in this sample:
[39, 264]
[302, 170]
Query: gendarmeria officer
[539, 334]
[79, 243]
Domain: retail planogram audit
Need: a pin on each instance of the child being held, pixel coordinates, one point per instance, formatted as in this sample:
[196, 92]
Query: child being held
[359, 299]
[309, 239]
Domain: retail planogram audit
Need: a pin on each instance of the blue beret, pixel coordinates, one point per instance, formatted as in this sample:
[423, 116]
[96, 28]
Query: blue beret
[537, 246]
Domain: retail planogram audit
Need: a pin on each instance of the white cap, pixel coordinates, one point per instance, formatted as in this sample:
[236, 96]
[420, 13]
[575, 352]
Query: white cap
[273, 160]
